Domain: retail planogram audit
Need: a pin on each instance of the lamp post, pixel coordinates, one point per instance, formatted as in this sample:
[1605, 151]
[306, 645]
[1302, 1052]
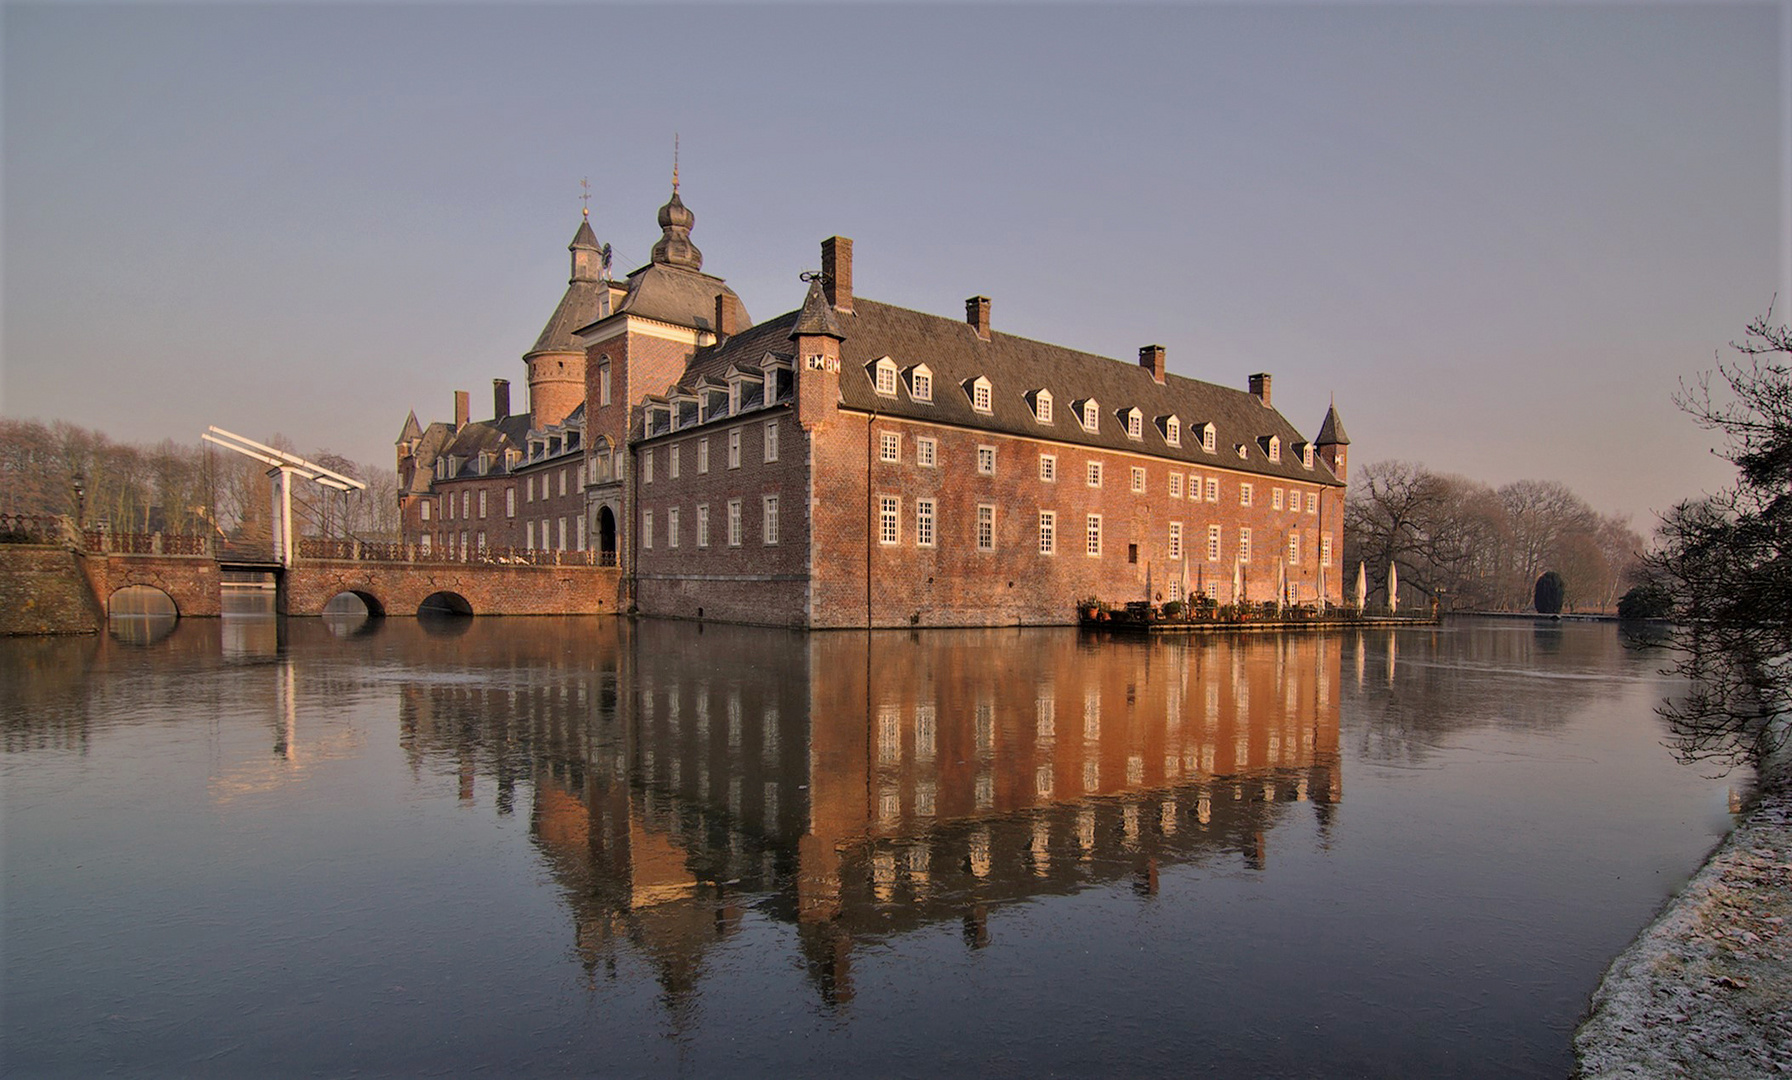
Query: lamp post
[80, 501]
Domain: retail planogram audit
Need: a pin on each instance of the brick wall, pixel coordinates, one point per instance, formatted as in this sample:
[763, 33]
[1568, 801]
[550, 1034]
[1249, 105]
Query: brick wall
[191, 581]
[44, 591]
[751, 581]
[954, 583]
[490, 589]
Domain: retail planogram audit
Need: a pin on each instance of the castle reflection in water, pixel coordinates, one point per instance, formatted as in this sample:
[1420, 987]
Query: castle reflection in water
[859, 785]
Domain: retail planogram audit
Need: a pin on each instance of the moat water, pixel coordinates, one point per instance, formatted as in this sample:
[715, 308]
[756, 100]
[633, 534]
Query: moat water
[546, 846]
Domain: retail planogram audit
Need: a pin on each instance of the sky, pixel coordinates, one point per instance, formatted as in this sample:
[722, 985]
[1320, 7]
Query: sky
[1499, 236]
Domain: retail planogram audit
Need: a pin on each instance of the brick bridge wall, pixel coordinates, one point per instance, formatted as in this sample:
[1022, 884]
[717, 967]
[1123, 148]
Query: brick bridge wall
[191, 581]
[490, 589]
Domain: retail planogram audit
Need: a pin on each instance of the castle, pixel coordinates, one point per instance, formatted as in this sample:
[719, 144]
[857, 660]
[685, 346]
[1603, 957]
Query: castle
[850, 463]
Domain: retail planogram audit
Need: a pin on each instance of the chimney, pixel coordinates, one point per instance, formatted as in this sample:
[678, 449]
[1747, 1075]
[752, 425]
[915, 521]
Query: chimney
[460, 409]
[1151, 358]
[730, 318]
[976, 312]
[500, 398]
[1260, 388]
[836, 272]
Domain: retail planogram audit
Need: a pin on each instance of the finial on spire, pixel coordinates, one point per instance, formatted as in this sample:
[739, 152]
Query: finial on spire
[585, 196]
[675, 163]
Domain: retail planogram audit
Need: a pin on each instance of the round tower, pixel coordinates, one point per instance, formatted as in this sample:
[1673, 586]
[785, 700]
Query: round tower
[557, 362]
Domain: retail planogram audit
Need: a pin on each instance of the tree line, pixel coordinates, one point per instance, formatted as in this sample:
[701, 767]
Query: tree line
[1466, 545]
[178, 489]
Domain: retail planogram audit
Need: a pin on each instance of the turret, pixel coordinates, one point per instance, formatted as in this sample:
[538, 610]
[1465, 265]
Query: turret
[1333, 445]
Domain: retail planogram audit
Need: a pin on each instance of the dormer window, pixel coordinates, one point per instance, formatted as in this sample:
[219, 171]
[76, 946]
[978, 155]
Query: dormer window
[1091, 418]
[980, 394]
[1135, 424]
[884, 376]
[1306, 455]
[1172, 431]
[1243, 450]
[1275, 448]
[920, 383]
[1209, 438]
[1042, 406]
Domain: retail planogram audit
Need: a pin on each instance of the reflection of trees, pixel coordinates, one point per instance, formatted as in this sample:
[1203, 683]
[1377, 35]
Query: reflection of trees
[862, 785]
[1410, 690]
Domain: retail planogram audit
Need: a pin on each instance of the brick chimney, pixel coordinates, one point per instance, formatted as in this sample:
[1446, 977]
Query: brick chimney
[730, 317]
[460, 409]
[836, 272]
[1260, 388]
[500, 398]
[976, 312]
[1151, 358]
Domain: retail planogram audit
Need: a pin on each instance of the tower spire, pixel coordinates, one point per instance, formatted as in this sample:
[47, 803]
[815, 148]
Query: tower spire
[675, 163]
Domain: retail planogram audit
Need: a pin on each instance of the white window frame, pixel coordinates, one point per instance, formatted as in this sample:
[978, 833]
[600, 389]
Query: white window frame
[1048, 468]
[1092, 474]
[1173, 431]
[1246, 494]
[771, 440]
[889, 446]
[1293, 547]
[1091, 418]
[1138, 479]
[927, 452]
[423, 510]
[1135, 424]
[925, 522]
[768, 508]
[1325, 549]
[1175, 485]
[734, 448]
[1275, 498]
[982, 399]
[1312, 502]
[1042, 406]
[986, 460]
[733, 522]
[646, 530]
[673, 453]
[920, 384]
[889, 520]
[1048, 532]
[702, 525]
[703, 455]
[1213, 489]
[1244, 544]
[647, 466]
[603, 381]
[1209, 439]
[986, 527]
[883, 377]
[510, 501]
[1092, 536]
[1175, 540]
[1214, 535]
[1275, 448]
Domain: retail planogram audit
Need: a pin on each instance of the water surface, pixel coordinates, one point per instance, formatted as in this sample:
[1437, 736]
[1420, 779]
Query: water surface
[531, 846]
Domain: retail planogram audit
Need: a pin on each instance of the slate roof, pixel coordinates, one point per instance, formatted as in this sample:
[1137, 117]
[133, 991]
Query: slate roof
[1331, 432]
[577, 308]
[672, 295]
[1015, 367]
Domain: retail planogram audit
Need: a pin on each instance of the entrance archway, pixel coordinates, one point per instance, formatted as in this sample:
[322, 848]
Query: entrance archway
[606, 536]
[141, 614]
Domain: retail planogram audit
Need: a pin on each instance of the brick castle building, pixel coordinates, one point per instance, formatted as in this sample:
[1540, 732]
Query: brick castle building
[852, 463]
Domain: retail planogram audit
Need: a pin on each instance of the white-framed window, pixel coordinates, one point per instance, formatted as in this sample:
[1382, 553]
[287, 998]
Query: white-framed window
[1175, 485]
[1048, 468]
[1275, 448]
[1138, 480]
[1209, 438]
[884, 376]
[1092, 534]
[479, 539]
[1325, 549]
[920, 383]
[734, 448]
[986, 460]
[1275, 498]
[1173, 431]
[1306, 455]
[702, 525]
[771, 440]
[672, 456]
[647, 530]
[889, 519]
[1094, 474]
[1245, 494]
[647, 466]
[923, 522]
[563, 474]
[703, 455]
[1091, 416]
[1175, 539]
[980, 395]
[423, 510]
[424, 541]
[603, 382]
[1213, 489]
[1244, 545]
[560, 534]
[926, 452]
[733, 522]
[1135, 424]
[1042, 406]
[466, 507]
[529, 534]
[1293, 547]
[672, 526]
[1048, 532]
[579, 543]
[768, 506]
[1175, 589]
[1312, 502]
[510, 502]
[889, 446]
[986, 527]
[1213, 543]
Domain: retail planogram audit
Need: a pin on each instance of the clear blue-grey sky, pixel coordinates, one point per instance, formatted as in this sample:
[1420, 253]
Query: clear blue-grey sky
[1499, 234]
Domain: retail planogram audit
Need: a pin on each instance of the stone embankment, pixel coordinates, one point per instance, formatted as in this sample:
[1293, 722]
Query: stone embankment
[43, 590]
[1706, 989]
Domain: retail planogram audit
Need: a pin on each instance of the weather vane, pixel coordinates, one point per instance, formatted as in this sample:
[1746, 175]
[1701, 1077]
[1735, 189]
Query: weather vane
[585, 194]
[675, 163]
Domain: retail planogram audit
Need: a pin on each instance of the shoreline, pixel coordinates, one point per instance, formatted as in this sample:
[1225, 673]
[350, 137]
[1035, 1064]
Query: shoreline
[1705, 989]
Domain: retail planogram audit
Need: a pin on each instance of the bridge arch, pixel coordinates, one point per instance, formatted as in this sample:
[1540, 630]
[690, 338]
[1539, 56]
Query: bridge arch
[346, 601]
[444, 603]
[141, 600]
